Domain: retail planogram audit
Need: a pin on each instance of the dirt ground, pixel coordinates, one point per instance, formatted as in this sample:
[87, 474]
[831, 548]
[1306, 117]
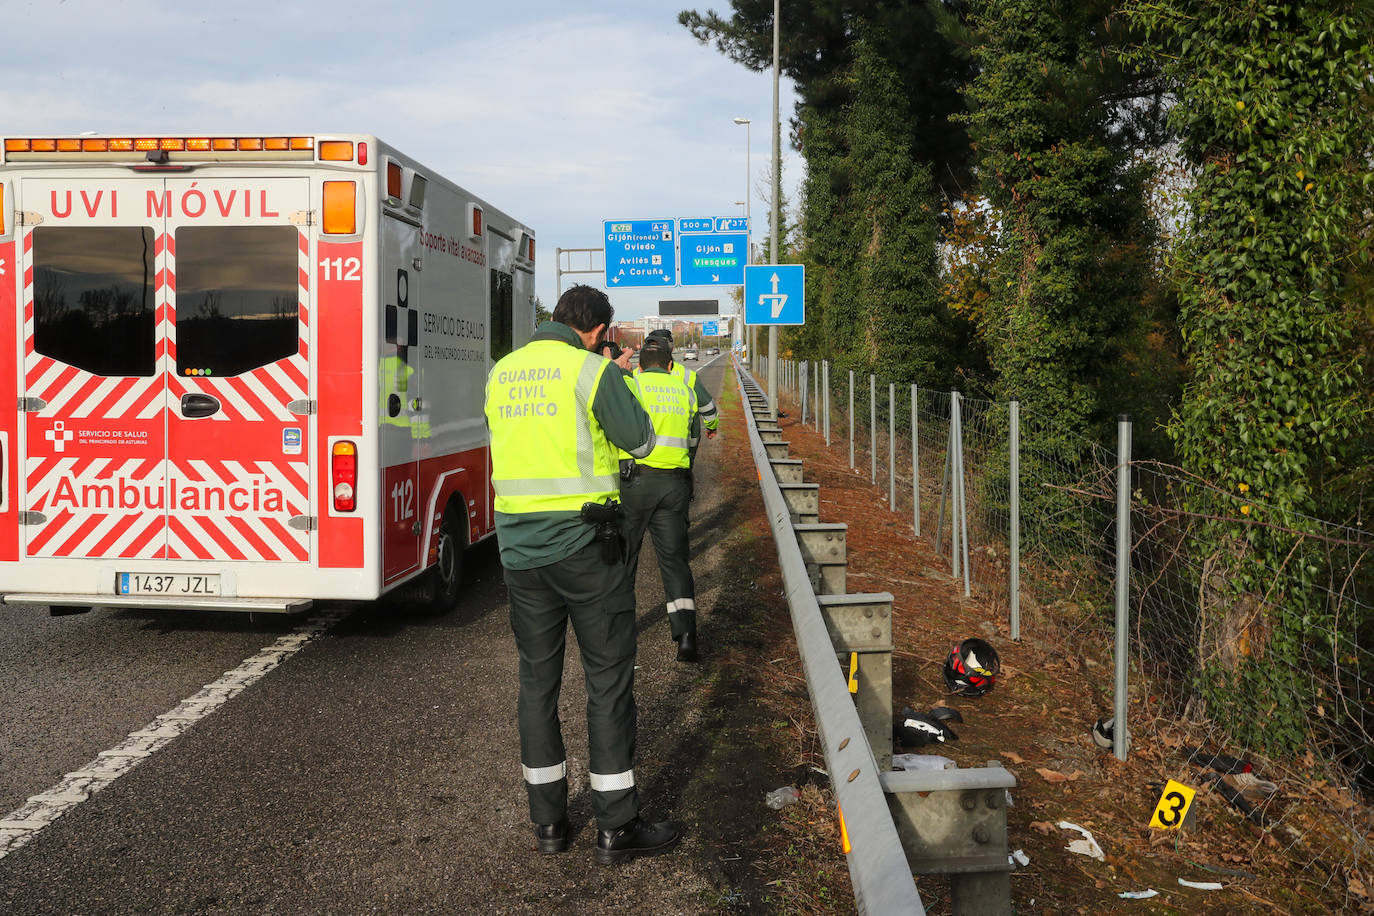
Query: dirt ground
[1036, 722]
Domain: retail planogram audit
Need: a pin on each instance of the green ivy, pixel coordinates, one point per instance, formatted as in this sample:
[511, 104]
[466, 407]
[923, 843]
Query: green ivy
[1269, 117]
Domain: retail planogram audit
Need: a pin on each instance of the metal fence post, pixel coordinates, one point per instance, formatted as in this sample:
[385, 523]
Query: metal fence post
[963, 502]
[1120, 733]
[952, 463]
[825, 384]
[805, 364]
[873, 426]
[1014, 532]
[816, 397]
[915, 469]
[892, 446]
[851, 419]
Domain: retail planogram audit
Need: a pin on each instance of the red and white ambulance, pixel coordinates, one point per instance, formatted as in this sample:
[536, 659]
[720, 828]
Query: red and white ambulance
[247, 372]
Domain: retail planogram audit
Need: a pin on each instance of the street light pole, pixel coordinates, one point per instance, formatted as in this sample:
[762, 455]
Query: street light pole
[748, 149]
[773, 219]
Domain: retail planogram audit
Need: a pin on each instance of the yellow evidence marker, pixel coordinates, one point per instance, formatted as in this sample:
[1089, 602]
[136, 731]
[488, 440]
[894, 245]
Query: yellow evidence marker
[1173, 806]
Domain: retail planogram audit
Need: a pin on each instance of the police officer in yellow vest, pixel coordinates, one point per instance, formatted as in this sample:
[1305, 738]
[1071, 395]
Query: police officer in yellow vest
[655, 489]
[692, 380]
[558, 415]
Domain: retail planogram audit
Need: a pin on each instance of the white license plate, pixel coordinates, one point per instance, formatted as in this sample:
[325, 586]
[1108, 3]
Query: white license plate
[180, 585]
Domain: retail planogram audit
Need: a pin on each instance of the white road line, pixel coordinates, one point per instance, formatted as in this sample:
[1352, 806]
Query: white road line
[22, 824]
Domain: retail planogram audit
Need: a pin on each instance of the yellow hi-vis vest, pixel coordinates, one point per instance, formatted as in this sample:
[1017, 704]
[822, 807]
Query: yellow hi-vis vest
[671, 405]
[548, 453]
[688, 376]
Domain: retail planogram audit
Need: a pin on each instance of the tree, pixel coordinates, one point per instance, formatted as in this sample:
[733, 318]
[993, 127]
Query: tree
[1271, 111]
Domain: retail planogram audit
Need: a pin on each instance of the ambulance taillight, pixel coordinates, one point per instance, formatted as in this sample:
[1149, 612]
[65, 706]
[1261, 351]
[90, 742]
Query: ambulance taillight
[343, 471]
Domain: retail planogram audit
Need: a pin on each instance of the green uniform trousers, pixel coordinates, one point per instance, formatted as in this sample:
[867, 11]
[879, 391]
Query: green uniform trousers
[599, 600]
[656, 500]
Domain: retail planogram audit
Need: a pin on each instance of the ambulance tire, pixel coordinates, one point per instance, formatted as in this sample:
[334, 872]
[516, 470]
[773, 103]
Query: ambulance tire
[444, 580]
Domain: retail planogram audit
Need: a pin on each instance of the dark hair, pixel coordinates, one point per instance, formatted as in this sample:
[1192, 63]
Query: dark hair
[583, 307]
[655, 354]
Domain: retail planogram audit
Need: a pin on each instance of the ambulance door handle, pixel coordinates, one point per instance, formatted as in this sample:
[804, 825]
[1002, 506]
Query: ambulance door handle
[195, 404]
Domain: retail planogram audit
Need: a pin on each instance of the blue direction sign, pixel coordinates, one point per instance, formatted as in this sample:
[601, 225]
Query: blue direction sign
[714, 259]
[732, 224]
[710, 329]
[640, 252]
[702, 224]
[773, 294]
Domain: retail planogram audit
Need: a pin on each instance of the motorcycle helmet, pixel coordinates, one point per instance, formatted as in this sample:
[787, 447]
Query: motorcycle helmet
[972, 668]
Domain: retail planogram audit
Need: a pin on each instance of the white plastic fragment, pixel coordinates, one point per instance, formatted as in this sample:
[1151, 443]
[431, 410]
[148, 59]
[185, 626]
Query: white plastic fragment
[1138, 895]
[922, 762]
[1086, 846]
[1018, 858]
[1201, 885]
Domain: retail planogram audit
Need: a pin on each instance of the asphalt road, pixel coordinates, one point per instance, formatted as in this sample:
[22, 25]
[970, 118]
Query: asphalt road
[374, 770]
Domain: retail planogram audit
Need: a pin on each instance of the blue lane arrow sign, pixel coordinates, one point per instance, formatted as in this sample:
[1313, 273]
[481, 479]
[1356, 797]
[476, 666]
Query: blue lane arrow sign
[640, 253]
[773, 294]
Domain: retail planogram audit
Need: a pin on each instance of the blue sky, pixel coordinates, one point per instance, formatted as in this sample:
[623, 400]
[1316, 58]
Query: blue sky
[562, 113]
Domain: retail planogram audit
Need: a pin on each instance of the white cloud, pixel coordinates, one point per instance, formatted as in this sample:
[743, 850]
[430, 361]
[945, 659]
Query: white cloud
[563, 114]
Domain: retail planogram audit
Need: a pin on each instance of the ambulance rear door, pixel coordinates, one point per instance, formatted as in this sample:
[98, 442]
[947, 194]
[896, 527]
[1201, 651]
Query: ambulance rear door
[238, 332]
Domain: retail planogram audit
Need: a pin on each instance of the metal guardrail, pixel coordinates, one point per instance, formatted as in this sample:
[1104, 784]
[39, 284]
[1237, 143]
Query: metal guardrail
[878, 866]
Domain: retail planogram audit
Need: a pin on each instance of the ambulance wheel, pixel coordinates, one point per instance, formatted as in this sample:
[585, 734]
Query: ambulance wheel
[444, 580]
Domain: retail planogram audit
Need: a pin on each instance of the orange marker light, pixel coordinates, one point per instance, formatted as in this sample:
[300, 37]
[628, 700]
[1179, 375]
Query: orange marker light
[143, 144]
[175, 144]
[250, 143]
[531, 249]
[2, 208]
[198, 144]
[393, 180]
[223, 144]
[336, 150]
[68, 145]
[44, 146]
[16, 146]
[276, 143]
[476, 221]
[844, 835]
[94, 146]
[302, 143]
[121, 145]
[340, 211]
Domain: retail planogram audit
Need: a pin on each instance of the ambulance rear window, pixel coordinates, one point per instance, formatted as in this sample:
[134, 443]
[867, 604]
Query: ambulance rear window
[93, 298]
[237, 298]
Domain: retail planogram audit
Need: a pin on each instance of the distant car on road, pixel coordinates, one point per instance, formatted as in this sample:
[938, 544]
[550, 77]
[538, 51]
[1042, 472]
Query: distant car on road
[689, 354]
[713, 351]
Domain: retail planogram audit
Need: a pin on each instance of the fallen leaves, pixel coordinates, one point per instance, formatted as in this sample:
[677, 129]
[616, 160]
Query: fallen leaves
[1055, 777]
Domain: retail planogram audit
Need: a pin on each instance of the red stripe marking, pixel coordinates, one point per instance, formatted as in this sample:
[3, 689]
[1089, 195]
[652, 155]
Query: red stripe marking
[305, 279]
[151, 395]
[295, 373]
[159, 242]
[69, 546]
[171, 244]
[240, 386]
[147, 539]
[105, 544]
[187, 473]
[171, 280]
[288, 537]
[304, 243]
[243, 527]
[191, 541]
[50, 531]
[278, 394]
[228, 549]
[41, 368]
[78, 400]
[119, 391]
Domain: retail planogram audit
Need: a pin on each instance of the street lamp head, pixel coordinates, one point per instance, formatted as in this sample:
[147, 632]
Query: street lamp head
[742, 121]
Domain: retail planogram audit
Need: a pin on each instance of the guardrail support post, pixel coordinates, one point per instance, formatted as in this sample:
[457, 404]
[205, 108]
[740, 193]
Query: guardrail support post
[787, 470]
[824, 550]
[954, 822]
[861, 626]
[803, 501]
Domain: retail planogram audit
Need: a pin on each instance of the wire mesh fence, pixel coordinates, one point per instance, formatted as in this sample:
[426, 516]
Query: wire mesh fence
[946, 462]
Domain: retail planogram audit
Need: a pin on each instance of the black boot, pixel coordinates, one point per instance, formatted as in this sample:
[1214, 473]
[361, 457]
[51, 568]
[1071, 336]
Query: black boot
[637, 838]
[687, 646]
[552, 838]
